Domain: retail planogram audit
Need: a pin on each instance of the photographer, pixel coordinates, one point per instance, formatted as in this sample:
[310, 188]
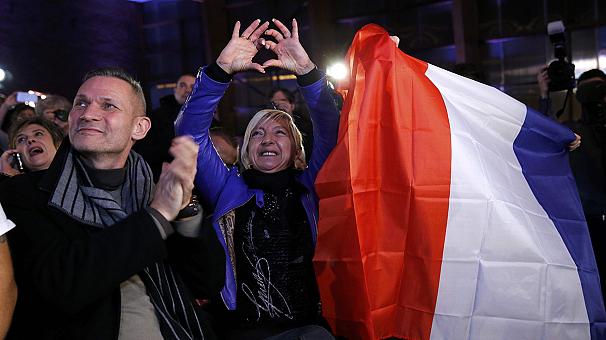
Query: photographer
[589, 161]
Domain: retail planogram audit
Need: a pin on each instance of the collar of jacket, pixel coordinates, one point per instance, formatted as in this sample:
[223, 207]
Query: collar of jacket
[51, 176]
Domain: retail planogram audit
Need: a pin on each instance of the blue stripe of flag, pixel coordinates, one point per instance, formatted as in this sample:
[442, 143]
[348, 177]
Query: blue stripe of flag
[541, 149]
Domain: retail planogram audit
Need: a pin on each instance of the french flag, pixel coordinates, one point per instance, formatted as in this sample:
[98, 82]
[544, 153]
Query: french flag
[448, 211]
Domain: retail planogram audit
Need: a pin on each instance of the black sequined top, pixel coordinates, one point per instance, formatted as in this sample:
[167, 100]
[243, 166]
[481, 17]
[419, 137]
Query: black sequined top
[274, 251]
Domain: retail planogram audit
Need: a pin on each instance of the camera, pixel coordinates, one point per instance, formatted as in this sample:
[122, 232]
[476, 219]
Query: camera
[560, 71]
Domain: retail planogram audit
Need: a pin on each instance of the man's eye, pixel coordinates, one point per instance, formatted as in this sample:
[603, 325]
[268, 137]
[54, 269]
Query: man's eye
[80, 104]
[256, 133]
[109, 106]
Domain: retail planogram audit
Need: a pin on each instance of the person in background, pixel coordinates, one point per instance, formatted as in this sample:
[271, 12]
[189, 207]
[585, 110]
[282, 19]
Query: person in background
[36, 140]
[154, 148]
[18, 112]
[225, 146]
[56, 109]
[588, 163]
[266, 218]
[283, 99]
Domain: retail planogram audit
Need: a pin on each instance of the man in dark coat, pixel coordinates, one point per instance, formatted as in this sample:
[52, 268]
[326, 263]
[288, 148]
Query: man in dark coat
[154, 148]
[94, 253]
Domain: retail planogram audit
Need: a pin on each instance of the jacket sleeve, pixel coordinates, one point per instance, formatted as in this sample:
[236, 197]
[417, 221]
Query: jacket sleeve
[195, 119]
[324, 116]
[199, 260]
[69, 265]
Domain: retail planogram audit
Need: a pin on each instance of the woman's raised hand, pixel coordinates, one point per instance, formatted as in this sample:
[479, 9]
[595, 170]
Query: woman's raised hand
[291, 55]
[238, 54]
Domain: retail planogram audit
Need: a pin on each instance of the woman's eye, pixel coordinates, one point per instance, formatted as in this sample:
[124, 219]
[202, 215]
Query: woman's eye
[256, 133]
[39, 133]
[21, 140]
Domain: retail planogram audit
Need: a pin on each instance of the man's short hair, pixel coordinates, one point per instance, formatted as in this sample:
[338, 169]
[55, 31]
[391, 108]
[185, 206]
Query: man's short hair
[53, 101]
[116, 72]
[55, 132]
[595, 73]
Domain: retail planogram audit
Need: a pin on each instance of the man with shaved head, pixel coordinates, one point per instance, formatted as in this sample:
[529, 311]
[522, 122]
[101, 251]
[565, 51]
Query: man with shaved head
[95, 253]
[154, 148]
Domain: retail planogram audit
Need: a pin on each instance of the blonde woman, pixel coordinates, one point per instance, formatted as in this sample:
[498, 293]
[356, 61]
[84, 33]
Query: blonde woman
[266, 217]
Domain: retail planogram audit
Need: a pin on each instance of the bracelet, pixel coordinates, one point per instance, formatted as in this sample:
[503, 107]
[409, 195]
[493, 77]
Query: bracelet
[191, 209]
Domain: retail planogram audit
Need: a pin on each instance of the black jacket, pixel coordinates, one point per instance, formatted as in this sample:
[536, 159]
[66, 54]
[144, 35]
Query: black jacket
[69, 273]
[154, 147]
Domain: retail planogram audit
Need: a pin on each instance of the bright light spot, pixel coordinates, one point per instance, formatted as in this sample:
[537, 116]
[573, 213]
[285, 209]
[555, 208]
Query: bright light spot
[582, 65]
[43, 96]
[31, 92]
[337, 71]
[602, 59]
[2, 75]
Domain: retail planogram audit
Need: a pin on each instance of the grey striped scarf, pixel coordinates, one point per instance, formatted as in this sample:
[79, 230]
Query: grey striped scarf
[76, 197]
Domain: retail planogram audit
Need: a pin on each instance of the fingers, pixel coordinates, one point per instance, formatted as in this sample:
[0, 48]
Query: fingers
[250, 29]
[11, 99]
[395, 39]
[270, 45]
[185, 152]
[5, 164]
[255, 66]
[273, 63]
[575, 144]
[236, 32]
[6, 154]
[260, 43]
[282, 28]
[295, 29]
[184, 148]
[258, 32]
[275, 34]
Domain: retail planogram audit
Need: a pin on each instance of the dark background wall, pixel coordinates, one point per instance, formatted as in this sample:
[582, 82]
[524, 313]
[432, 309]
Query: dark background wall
[50, 45]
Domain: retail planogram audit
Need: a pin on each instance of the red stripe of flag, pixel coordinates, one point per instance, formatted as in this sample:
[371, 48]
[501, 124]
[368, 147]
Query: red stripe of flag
[384, 197]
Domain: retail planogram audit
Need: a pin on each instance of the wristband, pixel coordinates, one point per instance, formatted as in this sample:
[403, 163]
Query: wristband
[192, 208]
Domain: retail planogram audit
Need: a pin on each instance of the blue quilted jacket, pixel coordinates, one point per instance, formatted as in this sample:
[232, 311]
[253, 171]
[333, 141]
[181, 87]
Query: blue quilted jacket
[223, 188]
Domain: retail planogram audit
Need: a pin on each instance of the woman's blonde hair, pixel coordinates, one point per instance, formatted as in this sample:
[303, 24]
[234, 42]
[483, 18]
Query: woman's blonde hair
[264, 116]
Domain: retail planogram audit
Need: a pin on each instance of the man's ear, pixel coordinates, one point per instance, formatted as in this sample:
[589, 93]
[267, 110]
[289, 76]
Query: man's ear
[140, 128]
